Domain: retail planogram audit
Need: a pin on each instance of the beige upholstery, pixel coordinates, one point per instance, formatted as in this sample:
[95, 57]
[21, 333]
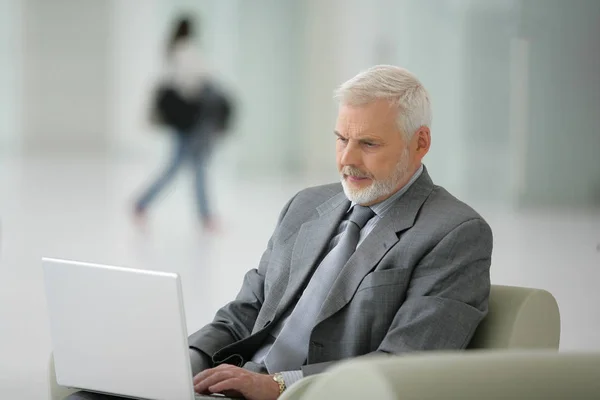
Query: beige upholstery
[518, 318]
[484, 374]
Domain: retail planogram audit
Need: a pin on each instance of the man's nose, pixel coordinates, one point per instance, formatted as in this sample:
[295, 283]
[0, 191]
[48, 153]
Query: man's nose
[350, 155]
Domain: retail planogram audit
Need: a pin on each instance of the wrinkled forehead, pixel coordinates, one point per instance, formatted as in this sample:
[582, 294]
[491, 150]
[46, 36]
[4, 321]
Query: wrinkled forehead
[376, 117]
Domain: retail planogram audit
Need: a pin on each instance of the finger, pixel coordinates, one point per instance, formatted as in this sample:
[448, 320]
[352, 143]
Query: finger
[215, 377]
[203, 375]
[228, 366]
[234, 384]
[208, 372]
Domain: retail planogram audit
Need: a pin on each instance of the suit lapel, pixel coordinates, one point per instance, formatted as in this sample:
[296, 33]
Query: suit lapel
[399, 217]
[313, 238]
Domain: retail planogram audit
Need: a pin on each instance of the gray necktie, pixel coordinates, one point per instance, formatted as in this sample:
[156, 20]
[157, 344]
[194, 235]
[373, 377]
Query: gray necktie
[290, 349]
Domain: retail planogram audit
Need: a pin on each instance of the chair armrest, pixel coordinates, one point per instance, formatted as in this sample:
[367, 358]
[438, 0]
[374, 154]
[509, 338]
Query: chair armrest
[56, 392]
[501, 374]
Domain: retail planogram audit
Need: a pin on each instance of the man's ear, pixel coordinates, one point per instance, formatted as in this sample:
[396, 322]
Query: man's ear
[422, 137]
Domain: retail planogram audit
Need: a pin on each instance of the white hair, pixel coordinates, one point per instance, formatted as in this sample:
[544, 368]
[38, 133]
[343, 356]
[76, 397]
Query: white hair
[397, 85]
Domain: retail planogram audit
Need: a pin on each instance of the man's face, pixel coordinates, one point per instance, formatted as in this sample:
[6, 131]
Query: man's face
[373, 158]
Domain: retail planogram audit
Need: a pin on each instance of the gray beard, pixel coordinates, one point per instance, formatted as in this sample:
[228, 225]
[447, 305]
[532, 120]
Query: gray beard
[378, 188]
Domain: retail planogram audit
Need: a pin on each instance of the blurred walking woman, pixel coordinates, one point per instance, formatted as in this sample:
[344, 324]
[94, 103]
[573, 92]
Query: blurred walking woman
[189, 104]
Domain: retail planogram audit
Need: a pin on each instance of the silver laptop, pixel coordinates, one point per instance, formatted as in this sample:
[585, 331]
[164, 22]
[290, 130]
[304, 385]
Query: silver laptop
[118, 331]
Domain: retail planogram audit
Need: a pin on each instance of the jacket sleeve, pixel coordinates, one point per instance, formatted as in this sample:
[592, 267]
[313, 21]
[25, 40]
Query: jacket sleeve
[235, 321]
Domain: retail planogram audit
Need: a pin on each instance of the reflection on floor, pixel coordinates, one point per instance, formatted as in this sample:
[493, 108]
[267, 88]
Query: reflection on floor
[79, 209]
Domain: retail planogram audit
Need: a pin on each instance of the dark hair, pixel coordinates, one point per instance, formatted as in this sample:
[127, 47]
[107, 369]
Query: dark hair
[184, 29]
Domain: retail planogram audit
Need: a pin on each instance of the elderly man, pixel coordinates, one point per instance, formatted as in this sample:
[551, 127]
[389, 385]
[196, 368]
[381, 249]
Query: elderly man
[385, 262]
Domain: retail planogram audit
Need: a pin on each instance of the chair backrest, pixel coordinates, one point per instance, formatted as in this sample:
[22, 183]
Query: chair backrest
[519, 317]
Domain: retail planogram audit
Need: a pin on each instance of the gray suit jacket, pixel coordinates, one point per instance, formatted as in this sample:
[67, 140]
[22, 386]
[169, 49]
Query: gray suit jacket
[419, 281]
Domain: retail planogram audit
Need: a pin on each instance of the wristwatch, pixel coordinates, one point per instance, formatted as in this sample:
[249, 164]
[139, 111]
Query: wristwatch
[279, 379]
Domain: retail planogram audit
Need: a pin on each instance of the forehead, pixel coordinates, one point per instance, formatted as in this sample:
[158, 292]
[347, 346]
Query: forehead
[376, 116]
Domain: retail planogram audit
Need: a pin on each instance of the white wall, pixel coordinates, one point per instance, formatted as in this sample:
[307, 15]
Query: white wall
[10, 69]
[65, 76]
[267, 63]
[319, 76]
[137, 29]
[563, 162]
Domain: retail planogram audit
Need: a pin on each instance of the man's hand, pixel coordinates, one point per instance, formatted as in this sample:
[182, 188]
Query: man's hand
[234, 381]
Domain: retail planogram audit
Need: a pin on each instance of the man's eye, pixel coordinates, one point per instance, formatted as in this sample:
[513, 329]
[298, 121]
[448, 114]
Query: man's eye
[343, 140]
[369, 144]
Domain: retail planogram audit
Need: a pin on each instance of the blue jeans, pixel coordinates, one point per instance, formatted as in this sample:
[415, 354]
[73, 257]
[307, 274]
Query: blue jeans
[193, 148]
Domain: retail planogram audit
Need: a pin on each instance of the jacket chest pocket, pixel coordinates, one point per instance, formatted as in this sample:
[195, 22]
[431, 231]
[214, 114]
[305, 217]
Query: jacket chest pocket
[388, 277]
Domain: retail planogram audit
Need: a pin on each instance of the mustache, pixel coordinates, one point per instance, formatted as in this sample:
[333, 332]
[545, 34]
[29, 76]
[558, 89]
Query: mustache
[352, 171]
